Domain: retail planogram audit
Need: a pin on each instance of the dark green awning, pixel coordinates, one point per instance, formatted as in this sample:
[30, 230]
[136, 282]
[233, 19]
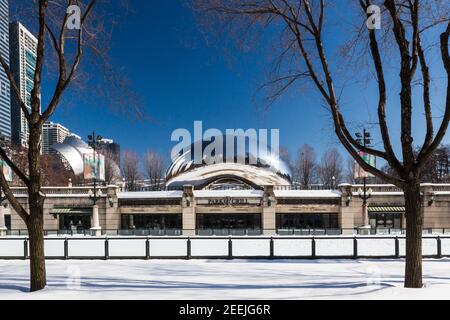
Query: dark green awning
[81, 211]
[386, 209]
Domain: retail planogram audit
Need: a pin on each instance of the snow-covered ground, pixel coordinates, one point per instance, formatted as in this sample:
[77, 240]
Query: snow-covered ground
[235, 279]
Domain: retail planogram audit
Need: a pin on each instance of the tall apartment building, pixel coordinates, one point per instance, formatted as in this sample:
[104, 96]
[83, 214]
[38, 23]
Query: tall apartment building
[53, 133]
[5, 103]
[23, 48]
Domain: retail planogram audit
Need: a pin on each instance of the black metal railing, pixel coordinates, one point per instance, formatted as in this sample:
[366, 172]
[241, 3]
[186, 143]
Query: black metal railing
[153, 188]
[358, 231]
[318, 247]
[234, 232]
[144, 232]
[305, 188]
[229, 232]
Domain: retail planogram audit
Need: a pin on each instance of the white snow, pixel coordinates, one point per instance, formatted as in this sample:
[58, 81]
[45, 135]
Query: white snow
[127, 248]
[376, 247]
[442, 193]
[150, 195]
[220, 279]
[307, 194]
[333, 247]
[383, 193]
[251, 247]
[11, 248]
[87, 248]
[207, 247]
[292, 247]
[168, 247]
[54, 248]
[228, 193]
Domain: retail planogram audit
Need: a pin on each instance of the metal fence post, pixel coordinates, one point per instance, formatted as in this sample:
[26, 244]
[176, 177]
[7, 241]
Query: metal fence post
[66, 249]
[271, 248]
[230, 248]
[439, 247]
[313, 248]
[106, 249]
[355, 247]
[397, 247]
[147, 249]
[25, 249]
[188, 248]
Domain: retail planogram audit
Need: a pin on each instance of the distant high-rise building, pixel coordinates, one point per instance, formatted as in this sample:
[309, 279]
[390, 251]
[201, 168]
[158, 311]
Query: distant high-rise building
[112, 148]
[53, 133]
[23, 48]
[5, 103]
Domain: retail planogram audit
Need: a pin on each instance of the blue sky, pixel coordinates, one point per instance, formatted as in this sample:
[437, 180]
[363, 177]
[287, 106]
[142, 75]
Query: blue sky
[181, 78]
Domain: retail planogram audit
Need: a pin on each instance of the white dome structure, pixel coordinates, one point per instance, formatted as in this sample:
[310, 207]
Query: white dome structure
[73, 149]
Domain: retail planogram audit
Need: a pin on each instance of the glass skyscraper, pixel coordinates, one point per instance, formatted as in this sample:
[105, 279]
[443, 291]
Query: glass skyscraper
[5, 103]
[23, 47]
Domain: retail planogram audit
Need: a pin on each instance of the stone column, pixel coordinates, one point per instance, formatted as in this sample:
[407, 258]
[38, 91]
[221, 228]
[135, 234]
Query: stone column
[188, 205]
[366, 215]
[428, 204]
[112, 211]
[365, 228]
[96, 230]
[3, 228]
[347, 209]
[269, 212]
[131, 226]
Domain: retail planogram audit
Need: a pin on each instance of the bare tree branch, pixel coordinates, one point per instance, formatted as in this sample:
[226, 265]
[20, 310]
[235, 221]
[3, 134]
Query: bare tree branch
[426, 153]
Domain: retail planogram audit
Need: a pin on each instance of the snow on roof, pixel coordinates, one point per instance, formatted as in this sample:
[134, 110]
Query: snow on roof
[231, 193]
[307, 194]
[150, 195]
[383, 193]
[442, 193]
[228, 193]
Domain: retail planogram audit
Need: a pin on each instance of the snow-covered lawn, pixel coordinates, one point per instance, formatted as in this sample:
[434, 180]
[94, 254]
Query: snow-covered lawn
[235, 279]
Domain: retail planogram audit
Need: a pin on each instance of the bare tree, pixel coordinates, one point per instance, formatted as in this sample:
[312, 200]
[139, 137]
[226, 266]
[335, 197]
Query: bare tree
[437, 168]
[286, 157]
[305, 168]
[60, 51]
[330, 168]
[300, 27]
[349, 175]
[130, 169]
[154, 168]
[19, 154]
[54, 172]
[112, 170]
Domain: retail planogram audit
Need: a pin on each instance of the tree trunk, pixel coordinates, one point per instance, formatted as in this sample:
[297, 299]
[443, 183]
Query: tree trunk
[38, 278]
[35, 224]
[414, 222]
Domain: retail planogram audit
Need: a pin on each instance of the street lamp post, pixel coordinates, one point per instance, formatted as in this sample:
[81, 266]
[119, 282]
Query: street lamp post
[364, 139]
[94, 142]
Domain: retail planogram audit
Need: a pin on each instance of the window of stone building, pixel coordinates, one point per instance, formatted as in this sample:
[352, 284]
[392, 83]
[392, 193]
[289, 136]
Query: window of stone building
[151, 221]
[292, 221]
[237, 221]
[8, 221]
